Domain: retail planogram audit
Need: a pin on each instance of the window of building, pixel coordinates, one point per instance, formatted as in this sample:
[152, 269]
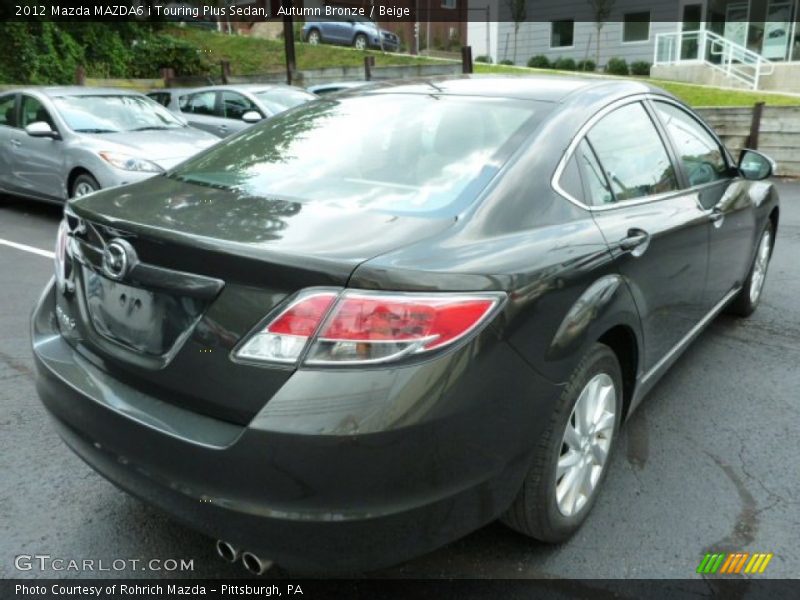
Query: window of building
[636, 27]
[634, 158]
[561, 33]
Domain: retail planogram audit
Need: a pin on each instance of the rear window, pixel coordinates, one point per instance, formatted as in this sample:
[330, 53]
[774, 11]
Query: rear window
[418, 154]
[279, 99]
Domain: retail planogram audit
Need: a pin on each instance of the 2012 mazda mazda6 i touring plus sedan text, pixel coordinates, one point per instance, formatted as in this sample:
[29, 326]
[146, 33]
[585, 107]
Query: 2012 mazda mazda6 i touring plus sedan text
[377, 322]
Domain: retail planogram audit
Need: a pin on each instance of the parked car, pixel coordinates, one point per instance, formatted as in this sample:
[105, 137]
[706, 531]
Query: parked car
[227, 109]
[359, 32]
[337, 86]
[62, 142]
[341, 355]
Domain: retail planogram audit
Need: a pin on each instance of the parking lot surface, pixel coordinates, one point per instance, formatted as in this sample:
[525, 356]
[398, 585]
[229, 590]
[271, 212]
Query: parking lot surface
[708, 463]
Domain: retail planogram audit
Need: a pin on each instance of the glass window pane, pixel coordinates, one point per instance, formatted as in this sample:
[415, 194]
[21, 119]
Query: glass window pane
[7, 111]
[561, 33]
[632, 154]
[234, 106]
[570, 180]
[592, 175]
[636, 27]
[33, 111]
[702, 158]
[199, 104]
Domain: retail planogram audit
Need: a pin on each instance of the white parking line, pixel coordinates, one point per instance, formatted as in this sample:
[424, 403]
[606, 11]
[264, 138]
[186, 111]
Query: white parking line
[26, 248]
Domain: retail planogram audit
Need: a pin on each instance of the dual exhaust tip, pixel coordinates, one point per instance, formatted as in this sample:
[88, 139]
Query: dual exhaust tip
[252, 562]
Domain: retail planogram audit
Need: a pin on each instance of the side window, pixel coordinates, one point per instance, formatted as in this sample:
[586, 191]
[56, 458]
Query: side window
[570, 180]
[33, 111]
[201, 103]
[7, 116]
[632, 154]
[234, 106]
[594, 181]
[161, 97]
[702, 157]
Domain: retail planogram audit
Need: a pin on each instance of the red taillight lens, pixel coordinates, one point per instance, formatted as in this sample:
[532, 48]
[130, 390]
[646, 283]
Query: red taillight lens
[364, 327]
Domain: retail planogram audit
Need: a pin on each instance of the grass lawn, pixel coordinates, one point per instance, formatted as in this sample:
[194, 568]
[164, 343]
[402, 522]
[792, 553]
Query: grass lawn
[250, 56]
[693, 95]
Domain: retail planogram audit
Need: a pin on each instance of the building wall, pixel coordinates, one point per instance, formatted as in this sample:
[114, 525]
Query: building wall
[534, 34]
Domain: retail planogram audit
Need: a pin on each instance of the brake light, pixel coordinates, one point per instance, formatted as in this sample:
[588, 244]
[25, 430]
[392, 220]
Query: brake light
[284, 339]
[368, 327]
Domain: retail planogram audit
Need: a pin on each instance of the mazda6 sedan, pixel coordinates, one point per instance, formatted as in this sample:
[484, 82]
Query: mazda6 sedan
[339, 357]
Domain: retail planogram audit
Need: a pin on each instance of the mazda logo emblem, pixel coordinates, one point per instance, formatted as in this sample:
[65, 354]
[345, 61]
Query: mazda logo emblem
[118, 258]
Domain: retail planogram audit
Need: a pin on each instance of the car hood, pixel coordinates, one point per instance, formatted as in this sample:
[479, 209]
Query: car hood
[166, 148]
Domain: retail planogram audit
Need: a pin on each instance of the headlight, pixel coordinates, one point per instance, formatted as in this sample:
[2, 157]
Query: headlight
[130, 163]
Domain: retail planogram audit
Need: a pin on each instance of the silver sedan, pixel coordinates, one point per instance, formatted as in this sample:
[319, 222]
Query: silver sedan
[62, 142]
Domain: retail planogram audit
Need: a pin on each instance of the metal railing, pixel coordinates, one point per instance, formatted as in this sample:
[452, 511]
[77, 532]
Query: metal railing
[718, 52]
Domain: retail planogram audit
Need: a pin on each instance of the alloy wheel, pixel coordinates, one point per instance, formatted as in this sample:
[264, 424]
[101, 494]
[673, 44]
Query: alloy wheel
[586, 444]
[83, 188]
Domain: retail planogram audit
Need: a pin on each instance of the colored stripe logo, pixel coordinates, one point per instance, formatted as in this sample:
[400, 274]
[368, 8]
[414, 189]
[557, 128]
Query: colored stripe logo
[734, 563]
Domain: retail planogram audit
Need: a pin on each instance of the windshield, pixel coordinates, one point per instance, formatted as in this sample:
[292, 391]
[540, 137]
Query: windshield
[114, 113]
[279, 99]
[399, 153]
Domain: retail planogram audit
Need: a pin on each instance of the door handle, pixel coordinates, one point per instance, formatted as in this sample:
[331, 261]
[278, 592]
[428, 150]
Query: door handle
[636, 242]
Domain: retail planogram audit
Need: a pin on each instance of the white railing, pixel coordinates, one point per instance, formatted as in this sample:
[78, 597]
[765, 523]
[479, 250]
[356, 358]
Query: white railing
[718, 52]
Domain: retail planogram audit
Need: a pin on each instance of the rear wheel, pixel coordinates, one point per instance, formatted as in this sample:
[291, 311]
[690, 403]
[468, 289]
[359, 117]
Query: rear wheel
[314, 37]
[360, 42]
[83, 184]
[748, 297]
[571, 459]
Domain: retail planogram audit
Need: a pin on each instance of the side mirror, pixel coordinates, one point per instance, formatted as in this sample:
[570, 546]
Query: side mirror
[251, 116]
[40, 129]
[755, 166]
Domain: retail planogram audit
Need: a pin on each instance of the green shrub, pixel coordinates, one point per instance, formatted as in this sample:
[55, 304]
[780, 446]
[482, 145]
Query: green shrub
[540, 61]
[506, 61]
[152, 53]
[564, 64]
[640, 67]
[587, 65]
[483, 59]
[617, 66]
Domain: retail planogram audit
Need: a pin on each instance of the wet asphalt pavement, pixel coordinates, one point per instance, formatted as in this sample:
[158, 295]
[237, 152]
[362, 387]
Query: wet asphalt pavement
[710, 462]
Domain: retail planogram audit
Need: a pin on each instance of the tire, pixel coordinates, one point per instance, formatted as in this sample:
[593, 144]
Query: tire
[746, 301]
[314, 38]
[81, 185]
[360, 42]
[536, 511]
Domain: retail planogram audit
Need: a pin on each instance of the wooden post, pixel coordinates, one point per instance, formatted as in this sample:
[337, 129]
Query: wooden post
[226, 71]
[369, 62]
[288, 43]
[466, 59]
[755, 126]
[80, 75]
[168, 75]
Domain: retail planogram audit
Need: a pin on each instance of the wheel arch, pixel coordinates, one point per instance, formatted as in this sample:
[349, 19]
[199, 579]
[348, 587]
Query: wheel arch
[74, 174]
[623, 342]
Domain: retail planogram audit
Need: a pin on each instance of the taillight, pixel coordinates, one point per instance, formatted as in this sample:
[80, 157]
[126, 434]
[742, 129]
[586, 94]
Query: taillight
[367, 327]
[284, 339]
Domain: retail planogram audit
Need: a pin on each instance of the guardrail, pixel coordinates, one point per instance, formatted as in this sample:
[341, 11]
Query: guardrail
[718, 52]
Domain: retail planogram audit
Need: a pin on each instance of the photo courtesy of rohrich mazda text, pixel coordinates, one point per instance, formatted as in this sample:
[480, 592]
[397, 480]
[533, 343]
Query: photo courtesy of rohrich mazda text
[401, 355]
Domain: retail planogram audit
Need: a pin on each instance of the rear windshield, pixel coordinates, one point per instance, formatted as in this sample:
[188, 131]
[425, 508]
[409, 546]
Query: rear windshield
[279, 99]
[399, 153]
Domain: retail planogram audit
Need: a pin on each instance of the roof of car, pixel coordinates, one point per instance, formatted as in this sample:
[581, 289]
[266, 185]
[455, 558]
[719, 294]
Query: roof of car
[76, 90]
[547, 88]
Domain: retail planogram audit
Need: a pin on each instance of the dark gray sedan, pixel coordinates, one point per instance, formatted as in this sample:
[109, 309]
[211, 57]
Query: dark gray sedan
[226, 109]
[342, 359]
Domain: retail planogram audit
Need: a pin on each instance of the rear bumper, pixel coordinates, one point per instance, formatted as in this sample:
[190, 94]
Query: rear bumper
[368, 491]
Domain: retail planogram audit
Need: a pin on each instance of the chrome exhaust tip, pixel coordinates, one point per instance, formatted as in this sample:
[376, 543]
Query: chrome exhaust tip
[227, 551]
[254, 564]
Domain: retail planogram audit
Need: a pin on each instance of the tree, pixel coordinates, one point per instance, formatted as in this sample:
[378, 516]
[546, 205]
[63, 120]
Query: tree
[518, 15]
[602, 10]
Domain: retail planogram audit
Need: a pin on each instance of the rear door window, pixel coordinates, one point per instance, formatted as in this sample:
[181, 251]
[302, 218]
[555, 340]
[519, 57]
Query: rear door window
[201, 103]
[632, 154]
[8, 115]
